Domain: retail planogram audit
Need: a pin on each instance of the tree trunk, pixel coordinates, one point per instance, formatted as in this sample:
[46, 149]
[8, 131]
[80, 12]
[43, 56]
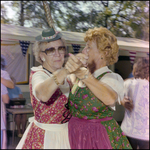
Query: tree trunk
[22, 14]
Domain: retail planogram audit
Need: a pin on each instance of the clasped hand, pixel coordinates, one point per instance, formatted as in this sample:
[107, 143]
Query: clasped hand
[75, 62]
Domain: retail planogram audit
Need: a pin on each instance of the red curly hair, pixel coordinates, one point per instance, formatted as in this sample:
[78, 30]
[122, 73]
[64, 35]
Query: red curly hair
[106, 43]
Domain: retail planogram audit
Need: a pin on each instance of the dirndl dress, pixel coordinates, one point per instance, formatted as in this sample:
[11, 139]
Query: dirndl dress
[48, 129]
[92, 125]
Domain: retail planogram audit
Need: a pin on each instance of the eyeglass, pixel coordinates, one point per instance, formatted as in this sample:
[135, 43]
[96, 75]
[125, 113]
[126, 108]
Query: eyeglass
[52, 50]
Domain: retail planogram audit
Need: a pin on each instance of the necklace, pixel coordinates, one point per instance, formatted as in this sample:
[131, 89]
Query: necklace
[47, 70]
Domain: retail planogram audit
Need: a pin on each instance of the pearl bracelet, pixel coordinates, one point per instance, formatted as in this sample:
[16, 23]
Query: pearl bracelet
[55, 79]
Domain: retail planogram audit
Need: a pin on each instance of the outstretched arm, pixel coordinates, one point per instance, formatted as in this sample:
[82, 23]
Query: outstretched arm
[101, 90]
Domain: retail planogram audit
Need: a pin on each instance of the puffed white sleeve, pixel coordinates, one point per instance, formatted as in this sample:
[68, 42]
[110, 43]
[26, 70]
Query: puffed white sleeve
[5, 75]
[126, 86]
[116, 82]
[37, 78]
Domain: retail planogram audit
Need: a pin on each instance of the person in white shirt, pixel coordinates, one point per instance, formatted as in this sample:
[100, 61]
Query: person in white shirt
[136, 102]
[4, 100]
[5, 82]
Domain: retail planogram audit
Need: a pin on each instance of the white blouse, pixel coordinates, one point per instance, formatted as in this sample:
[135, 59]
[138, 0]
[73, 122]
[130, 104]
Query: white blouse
[40, 76]
[136, 123]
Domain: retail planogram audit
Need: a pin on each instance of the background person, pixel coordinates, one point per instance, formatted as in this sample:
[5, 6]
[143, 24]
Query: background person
[20, 119]
[94, 94]
[4, 100]
[136, 102]
[5, 82]
[5, 78]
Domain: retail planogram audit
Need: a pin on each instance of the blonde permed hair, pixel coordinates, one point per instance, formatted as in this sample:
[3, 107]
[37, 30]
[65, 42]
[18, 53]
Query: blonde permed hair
[106, 43]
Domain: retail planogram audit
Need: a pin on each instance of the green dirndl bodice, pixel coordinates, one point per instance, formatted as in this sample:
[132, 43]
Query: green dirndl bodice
[85, 105]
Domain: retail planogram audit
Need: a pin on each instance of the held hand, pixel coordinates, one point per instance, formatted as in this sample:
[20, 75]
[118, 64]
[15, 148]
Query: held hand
[82, 73]
[75, 62]
[83, 58]
[128, 103]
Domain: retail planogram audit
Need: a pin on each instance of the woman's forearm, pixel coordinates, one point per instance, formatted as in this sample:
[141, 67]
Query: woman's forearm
[7, 83]
[47, 88]
[102, 91]
[5, 98]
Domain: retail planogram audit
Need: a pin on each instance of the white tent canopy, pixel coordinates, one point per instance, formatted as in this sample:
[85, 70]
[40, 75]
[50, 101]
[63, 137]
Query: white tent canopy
[11, 34]
[17, 64]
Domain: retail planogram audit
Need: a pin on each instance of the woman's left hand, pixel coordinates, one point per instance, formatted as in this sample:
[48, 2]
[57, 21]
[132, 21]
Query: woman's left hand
[83, 58]
[75, 62]
[128, 103]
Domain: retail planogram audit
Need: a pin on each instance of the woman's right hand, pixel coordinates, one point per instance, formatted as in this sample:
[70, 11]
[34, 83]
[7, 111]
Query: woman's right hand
[75, 62]
[83, 58]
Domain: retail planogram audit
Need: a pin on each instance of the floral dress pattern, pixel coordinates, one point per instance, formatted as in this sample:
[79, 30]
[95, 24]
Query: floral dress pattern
[84, 104]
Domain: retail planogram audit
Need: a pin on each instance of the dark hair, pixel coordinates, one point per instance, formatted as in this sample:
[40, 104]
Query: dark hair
[141, 68]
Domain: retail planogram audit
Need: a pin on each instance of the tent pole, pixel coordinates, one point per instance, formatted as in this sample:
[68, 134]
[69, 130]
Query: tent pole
[31, 56]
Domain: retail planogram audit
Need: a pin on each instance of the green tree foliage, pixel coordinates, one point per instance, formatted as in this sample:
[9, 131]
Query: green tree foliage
[123, 18]
[32, 12]
[29, 12]
[4, 18]
[140, 23]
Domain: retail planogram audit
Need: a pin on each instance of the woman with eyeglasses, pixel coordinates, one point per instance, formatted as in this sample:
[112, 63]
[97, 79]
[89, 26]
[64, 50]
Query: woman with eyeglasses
[49, 91]
[92, 98]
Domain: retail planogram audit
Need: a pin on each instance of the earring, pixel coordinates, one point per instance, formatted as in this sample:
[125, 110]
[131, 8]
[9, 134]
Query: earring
[101, 57]
[43, 59]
